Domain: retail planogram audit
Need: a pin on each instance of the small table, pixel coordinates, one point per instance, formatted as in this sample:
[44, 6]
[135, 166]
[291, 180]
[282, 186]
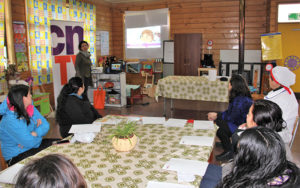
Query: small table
[191, 88]
[205, 70]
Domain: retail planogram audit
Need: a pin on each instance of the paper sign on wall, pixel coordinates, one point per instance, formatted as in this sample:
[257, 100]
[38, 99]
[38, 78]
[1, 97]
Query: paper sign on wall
[271, 46]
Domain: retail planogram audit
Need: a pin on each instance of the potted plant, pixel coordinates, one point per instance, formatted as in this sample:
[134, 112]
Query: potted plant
[123, 137]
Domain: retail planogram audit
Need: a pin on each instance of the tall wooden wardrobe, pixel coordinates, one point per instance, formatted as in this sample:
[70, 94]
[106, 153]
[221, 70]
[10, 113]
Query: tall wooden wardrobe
[187, 53]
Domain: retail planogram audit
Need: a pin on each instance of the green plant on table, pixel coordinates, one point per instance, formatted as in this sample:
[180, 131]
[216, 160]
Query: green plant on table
[124, 130]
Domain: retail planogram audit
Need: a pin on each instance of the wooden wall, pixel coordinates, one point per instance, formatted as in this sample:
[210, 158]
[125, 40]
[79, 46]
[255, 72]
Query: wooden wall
[104, 23]
[215, 19]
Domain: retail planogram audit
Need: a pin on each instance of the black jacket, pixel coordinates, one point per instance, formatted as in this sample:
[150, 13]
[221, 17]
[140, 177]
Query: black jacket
[75, 111]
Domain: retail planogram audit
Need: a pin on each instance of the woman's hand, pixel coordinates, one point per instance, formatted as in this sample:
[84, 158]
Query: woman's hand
[38, 122]
[243, 126]
[212, 116]
[33, 134]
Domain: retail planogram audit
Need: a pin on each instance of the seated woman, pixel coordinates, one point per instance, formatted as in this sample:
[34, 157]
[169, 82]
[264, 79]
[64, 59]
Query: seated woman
[263, 113]
[22, 126]
[50, 171]
[261, 162]
[228, 121]
[73, 107]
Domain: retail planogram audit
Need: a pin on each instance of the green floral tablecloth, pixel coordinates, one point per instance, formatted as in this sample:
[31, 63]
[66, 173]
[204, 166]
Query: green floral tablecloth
[192, 88]
[102, 166]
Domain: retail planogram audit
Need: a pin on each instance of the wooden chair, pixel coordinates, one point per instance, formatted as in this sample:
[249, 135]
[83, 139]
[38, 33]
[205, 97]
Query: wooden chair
[294, 131]
[135, 94]
[2, 160]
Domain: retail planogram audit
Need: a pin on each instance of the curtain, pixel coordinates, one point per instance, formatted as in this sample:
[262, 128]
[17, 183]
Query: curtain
[40, 12]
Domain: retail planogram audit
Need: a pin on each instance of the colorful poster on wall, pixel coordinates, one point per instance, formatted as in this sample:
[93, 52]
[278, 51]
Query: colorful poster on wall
[65, 36]
[3, 85]
[40, 13]
[271, 46]
[20, 43]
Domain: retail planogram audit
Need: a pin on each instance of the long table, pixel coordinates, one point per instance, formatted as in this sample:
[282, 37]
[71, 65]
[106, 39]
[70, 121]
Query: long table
[102, 166]
[191, 88]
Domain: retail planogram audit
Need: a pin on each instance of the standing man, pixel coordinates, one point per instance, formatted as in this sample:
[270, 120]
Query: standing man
[280, 80]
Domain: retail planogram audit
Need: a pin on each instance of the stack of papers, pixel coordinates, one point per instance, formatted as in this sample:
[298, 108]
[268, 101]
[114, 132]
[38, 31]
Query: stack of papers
[85, 128]
[204, 125]
[175, 122]
[155, 184]
[186, 166]
[153, 120]
[197, 140]
[9, 175]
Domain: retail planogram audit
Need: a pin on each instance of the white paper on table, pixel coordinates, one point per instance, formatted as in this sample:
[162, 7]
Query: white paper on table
[186, 166]
[112, 121]
[153, 120]
[204, 124]
[197, 140]
[155, 184]
[85, 128]
[212, 75]
[9, 175]
[97, 123]
[175, 122]
[133, 118]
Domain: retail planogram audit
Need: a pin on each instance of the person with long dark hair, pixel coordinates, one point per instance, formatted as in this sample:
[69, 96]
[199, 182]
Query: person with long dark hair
[261, 162]
[228, 121]
[22, 126]
[83, 65]
[53, 170]
[73, 107]
[263, 113]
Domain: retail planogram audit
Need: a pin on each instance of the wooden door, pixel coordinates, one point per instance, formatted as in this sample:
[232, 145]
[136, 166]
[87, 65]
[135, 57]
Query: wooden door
[187, 53]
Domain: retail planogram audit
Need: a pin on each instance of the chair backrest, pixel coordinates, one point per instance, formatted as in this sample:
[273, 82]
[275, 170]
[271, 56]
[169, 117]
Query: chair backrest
[294, 131]
[2, 160]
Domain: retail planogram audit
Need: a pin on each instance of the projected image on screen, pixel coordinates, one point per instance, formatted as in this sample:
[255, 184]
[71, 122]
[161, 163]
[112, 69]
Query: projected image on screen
[144, 37]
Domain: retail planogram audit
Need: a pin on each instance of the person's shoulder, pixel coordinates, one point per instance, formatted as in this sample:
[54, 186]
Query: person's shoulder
[242, 98]
[71, 99]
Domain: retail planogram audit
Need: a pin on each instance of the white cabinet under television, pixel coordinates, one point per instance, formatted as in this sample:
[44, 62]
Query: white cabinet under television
[116, 96]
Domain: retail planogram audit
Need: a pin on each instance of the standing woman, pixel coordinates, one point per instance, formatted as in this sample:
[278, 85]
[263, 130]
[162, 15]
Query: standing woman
[73, 107]
[228, 121]
[83, 65]
[22, 126]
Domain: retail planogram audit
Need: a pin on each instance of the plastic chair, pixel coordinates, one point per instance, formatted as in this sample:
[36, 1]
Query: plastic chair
[294, 131]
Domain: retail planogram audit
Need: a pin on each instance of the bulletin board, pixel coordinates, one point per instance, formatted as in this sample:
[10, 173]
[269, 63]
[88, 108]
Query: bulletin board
[20, 43]
[168, 54]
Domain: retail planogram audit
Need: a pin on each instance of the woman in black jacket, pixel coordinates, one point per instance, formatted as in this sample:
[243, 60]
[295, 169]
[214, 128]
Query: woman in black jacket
[73, 107]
